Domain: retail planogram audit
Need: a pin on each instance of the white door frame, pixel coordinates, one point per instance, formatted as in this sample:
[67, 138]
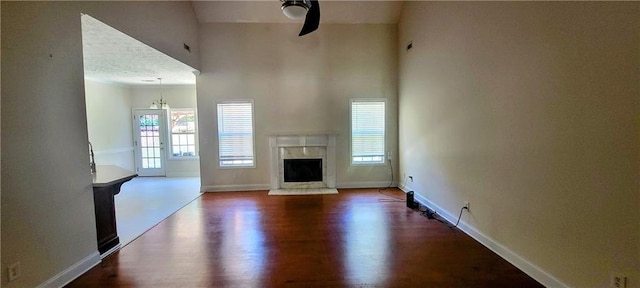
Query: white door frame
[154, 152]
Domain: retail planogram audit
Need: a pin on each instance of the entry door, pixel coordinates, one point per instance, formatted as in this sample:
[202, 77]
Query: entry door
[149, 137]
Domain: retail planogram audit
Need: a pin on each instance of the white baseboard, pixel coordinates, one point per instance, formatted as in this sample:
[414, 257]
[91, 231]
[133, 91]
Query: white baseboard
[527, 267]
[239, 187]
[404, 188]
[367, 184]
[74, 271]
[110, 251]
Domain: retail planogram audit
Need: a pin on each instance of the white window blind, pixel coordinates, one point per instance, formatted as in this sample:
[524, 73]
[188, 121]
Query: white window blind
[235, 134]
[367, 131]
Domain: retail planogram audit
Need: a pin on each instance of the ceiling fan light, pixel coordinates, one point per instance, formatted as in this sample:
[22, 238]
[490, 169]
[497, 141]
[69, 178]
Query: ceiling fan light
[294, 9]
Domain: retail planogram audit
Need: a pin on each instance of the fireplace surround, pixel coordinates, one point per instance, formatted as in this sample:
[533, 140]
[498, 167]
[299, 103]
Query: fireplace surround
[303, 147]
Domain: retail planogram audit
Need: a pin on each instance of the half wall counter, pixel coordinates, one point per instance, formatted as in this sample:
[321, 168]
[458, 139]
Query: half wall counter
[107, 181]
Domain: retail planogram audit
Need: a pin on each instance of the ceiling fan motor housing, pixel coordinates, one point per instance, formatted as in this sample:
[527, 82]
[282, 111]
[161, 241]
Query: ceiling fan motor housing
[295, 9]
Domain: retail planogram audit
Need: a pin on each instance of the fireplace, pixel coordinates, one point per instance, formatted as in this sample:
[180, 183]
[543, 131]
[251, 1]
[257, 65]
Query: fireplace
[302, 170]
[310, 160]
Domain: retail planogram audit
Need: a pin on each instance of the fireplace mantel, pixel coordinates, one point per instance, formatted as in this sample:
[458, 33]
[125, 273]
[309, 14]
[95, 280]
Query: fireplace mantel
[326, 140]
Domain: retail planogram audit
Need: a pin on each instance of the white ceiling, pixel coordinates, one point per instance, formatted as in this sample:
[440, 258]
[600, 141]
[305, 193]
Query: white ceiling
[112, 56]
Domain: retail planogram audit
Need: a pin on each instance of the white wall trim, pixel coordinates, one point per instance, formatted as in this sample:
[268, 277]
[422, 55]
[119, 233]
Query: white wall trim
[239, 187]
[365, 184]
[74, 271]
[404, 188]
[114, 151]
[110, 251]
[527, 267]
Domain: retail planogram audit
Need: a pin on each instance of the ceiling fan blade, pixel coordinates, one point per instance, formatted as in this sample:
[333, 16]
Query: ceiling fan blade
[312, 20]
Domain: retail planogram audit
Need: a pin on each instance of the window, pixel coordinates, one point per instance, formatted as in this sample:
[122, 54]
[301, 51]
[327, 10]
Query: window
[235, 134]
[183, 133]
[367, 131]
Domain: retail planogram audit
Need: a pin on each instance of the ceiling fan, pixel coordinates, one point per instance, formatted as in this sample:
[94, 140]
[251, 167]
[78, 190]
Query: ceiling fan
[309, 9]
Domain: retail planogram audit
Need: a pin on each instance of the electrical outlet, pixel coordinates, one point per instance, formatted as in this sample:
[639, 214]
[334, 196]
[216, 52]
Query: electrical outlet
[14, 271]
[467, 206]
[411, 178]
[618, 280]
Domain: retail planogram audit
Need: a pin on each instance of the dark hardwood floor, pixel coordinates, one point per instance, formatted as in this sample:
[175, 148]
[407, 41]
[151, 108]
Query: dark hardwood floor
[358, 238]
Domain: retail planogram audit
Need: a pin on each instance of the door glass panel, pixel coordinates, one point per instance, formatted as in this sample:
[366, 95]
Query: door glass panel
[150, 141]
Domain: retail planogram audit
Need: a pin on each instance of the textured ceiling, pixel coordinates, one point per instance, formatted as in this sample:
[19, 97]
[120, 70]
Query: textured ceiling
[112, 56]
[268, 11]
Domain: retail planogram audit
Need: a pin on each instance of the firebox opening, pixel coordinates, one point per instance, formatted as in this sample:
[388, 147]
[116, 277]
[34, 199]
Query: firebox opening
[302, 170]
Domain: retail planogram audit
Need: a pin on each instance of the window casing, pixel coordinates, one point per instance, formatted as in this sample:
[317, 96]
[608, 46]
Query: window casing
[368, 131]
[183, 133]
[235, 134]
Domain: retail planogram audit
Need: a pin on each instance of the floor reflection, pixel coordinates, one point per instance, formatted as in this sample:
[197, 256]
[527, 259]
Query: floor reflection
[366, 245]
[241, 250]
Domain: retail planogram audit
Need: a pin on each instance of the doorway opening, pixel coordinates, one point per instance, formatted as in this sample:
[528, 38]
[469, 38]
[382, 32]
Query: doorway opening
[121, 75]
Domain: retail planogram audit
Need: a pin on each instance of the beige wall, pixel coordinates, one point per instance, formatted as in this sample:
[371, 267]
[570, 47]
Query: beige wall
[299, 85]
[47, 204]
[180, 96]
[177, 96]
[109, 123]
[529, 111]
